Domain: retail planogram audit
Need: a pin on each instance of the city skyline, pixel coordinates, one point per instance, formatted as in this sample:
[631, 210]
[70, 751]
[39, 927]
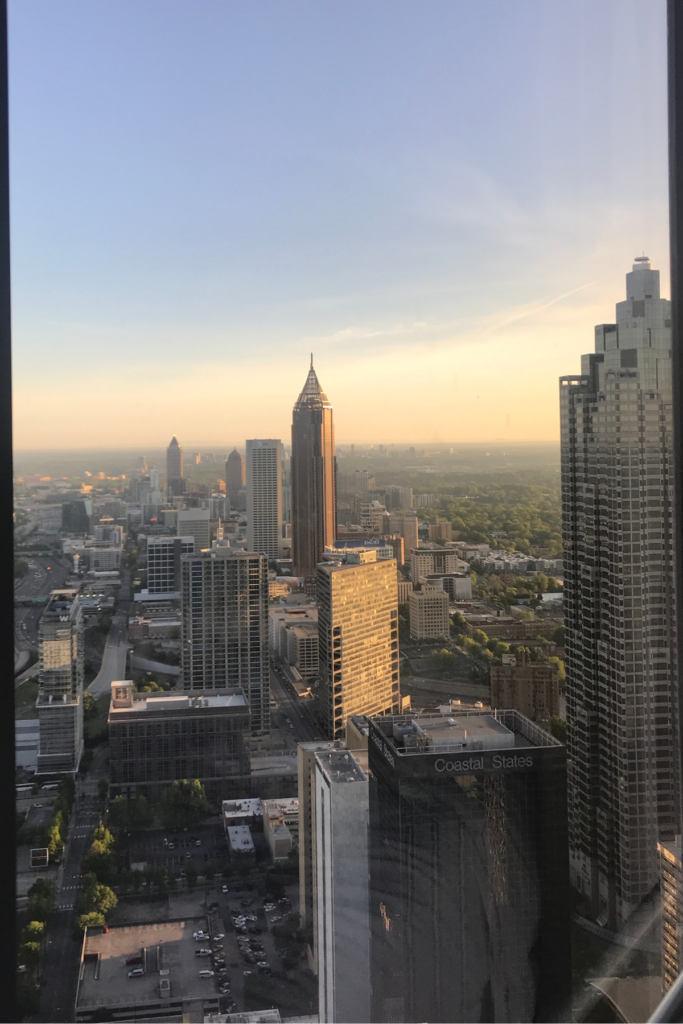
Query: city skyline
[308, 209]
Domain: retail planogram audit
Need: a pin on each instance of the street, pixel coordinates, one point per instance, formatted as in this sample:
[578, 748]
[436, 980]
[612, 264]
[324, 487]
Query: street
[59, 969]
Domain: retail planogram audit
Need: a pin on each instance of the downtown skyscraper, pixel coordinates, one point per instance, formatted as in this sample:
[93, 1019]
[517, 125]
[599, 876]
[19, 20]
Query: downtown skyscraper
[314, 484]
[264, 497]
[616, 437]
[224, 610]
[175, 484]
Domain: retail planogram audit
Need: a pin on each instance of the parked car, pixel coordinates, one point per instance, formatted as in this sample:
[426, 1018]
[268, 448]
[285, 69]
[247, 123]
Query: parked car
[137, 972]
[253, 930]
[219, 936]
[133, 960]
[197, 842]
[225, 889]
[206, 974]
[264, 967]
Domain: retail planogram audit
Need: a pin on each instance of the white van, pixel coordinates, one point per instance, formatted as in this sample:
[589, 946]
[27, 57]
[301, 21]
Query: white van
[206, 974]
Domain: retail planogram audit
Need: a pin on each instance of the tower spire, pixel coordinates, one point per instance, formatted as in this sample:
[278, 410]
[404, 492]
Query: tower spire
[311, 360]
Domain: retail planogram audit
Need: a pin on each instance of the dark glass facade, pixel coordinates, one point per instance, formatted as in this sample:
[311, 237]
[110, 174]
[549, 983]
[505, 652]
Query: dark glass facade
[313, 471]
[469, 878]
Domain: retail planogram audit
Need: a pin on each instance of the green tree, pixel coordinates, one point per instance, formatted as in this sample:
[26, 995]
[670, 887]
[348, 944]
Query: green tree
[33, 932]
[184, 805]
[86, 761]
[558, 636]
[89, 707]
[29, 953]
[54, 841]
[95, 897]
[559, 665]
[102, 789]
[479, 636]
[92, 919]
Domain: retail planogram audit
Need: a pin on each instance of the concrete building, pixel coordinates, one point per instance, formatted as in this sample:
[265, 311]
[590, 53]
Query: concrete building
[244, 811]
[341, 838]
[195, 523]
[224, 610]
[405, 589]
[458, 585]
[303, 650]
[469, 883]
[429, 618]
[372, 516]
[103, 559]
[154, 740]
[175, 484]
[397, 545]
[314, 485]
[358, 639]
[240, 843]
[533, 688]
[671, 889]
[306, 753]
[60, 684]
[617, 460]
[170, 987]
[440, 530]
[235, 476]
[264, 497]
[163, 563]
[281, 826]
[429, 561]
[398, 497]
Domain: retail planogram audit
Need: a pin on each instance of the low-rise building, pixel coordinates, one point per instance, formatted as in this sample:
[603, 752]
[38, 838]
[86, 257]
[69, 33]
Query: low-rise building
[281, 826]
[170, 986]
[243, 811]
[240, 842]
[429, 617]
[527, 686]
[458, 585]
[154, 740]
[440, 530]
[428, 561]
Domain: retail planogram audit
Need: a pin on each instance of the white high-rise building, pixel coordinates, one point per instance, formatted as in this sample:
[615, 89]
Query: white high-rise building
[194, 522]
[616, 432]
[341, 816]
[264, 497]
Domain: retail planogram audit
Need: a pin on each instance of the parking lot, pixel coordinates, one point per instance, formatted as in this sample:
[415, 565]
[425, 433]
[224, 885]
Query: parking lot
[246, 929]
[172, 849]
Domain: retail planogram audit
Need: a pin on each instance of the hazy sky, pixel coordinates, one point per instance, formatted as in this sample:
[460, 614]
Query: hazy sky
[439, 199]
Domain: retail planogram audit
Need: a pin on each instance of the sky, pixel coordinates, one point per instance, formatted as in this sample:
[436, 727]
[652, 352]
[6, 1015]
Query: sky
[438, 199]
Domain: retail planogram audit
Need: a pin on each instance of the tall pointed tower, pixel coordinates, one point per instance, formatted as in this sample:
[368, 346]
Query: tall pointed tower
[313, 474]
[174, 468]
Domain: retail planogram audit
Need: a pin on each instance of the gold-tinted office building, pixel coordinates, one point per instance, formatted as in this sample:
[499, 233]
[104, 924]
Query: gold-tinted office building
[313, 474]
[358, 639]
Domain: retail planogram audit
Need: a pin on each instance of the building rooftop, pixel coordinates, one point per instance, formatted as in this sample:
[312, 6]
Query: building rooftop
[461, 731]
[247, 808]
[127, 701]
[164, 946]
[239, 838]
[340, 766]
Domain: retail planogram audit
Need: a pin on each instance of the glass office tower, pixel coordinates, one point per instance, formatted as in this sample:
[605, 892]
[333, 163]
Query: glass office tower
[469, 878]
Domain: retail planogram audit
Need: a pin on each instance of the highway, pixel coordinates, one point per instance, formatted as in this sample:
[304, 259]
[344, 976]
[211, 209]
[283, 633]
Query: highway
[114, 659]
